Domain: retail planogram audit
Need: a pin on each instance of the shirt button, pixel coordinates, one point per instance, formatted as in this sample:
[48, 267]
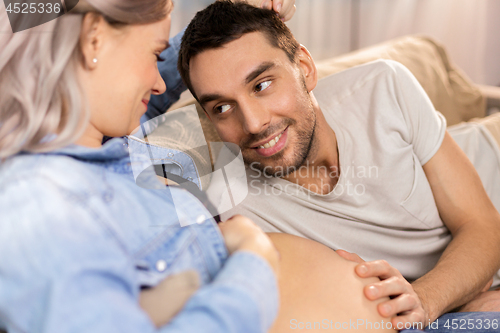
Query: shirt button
[190, 179]
[161, 265]
[170, 154]
[200, 219]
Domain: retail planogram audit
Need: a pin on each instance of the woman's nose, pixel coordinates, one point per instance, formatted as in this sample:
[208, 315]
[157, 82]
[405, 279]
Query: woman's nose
[160, 87]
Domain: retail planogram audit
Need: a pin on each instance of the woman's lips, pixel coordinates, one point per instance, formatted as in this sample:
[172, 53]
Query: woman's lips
[145, 102]
[274, 145]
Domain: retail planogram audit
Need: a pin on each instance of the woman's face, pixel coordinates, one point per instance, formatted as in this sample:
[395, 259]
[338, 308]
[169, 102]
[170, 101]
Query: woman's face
[120, 83]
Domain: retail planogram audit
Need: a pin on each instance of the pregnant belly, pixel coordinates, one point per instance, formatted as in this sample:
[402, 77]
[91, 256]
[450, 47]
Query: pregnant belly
[320, 291]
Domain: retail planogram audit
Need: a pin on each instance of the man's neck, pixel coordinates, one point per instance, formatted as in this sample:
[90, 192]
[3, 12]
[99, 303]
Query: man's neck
[321, 170]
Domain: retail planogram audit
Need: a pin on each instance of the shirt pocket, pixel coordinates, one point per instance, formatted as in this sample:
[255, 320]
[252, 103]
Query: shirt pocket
[420, 202]
[169, 253]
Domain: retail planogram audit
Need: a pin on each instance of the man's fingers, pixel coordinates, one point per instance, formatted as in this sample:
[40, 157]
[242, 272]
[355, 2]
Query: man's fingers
[350, 256]
[487, 286]
[400, 304]
[377, 268]
[392, 286]
[411, 319]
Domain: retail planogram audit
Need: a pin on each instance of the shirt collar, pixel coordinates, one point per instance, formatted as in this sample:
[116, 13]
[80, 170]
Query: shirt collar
[139, 153]
[114, 149]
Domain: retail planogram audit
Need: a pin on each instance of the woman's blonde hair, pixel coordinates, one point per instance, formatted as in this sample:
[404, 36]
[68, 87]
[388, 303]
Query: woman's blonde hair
[42, 107]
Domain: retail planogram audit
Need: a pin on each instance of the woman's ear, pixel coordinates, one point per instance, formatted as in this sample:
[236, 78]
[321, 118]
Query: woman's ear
[308, 68]
[91, 39]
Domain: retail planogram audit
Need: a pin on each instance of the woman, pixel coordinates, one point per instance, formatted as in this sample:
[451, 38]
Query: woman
[83, 239]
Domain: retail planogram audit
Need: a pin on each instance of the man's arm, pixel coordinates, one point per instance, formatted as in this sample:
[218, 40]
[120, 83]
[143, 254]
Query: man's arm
[473, 256]
[469, 261]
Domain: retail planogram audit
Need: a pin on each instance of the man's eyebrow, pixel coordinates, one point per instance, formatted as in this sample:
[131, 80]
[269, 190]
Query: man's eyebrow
[204, 99]
[259, 70]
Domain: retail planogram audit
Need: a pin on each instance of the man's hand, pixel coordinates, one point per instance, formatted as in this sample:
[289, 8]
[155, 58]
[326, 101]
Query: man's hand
[405, 305]
[488, 301]
[284, 8]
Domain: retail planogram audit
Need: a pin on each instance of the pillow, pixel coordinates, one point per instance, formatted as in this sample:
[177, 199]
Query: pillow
[492, 125]
[449, 89]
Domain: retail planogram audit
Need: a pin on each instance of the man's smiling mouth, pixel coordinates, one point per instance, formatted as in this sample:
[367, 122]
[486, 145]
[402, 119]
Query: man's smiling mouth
[272, 145]
[271, 142]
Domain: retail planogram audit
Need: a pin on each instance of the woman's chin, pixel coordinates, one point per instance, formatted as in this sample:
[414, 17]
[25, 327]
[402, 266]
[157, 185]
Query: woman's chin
[134, 127]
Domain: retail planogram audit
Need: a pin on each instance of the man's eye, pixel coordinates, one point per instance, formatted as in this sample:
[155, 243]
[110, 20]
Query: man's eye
[262, 86]
[223, 108]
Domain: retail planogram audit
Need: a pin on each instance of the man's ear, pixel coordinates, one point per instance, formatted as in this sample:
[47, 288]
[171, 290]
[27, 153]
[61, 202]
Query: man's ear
[91, 39]
[307, 67]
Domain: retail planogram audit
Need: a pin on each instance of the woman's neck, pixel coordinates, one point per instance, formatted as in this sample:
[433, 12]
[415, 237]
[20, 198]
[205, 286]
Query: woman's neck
[91, 138]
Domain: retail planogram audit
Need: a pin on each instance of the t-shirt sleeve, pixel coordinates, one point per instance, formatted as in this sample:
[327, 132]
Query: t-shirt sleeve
[426, 126]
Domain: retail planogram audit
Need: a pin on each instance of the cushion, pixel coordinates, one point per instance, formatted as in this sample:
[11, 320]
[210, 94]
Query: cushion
[492, 125]
[449, 89]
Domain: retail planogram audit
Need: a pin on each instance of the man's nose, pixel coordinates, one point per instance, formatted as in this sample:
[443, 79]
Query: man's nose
[254, 117]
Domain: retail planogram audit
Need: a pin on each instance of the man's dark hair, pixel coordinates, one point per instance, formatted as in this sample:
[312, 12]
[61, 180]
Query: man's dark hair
[223, 22]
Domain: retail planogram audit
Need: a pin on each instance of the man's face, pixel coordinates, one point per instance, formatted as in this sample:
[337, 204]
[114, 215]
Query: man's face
[258, 99]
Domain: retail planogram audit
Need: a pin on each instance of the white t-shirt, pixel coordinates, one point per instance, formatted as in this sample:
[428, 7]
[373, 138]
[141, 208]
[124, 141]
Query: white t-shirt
[382, 206]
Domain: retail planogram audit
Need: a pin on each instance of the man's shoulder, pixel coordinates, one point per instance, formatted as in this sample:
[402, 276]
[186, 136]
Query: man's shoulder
[354, 77]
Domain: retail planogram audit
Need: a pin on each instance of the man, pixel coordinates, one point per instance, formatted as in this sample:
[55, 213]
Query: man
[410, 194]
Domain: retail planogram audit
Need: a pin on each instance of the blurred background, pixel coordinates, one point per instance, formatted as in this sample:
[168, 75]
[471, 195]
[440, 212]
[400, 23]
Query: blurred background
[469, 29]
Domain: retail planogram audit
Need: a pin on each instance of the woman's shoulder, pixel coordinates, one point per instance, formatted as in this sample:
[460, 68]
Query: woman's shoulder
[39, 187]
[49, 230]
[39, 170]
[45, 199]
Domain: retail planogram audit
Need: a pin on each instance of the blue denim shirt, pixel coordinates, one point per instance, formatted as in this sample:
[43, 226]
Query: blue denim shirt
[79, 238]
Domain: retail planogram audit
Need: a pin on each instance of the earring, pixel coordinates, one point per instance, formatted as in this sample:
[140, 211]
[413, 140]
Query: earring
[94, 60]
